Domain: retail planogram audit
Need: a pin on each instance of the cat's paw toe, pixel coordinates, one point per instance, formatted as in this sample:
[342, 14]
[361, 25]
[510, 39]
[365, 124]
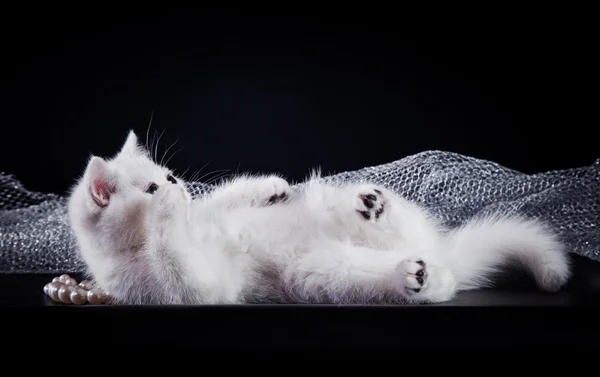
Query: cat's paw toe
[276, 198]
[369, 203]
[276, 190]
[413, 275]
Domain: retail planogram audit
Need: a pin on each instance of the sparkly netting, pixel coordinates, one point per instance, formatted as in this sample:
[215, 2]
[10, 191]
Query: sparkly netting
[35, 237]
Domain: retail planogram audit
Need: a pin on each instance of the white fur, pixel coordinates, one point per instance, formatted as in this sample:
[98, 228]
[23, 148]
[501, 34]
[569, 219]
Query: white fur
[319, 244]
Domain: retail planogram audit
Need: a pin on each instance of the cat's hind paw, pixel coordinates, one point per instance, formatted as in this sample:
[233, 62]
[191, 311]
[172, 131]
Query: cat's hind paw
[369, 203]
[413, 275]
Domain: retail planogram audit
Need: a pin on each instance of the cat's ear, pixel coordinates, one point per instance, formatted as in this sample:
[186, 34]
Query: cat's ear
[130, 148]
[100, 184]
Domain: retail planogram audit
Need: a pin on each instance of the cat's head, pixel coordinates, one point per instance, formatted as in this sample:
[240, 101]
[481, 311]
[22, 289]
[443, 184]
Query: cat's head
[109, 205]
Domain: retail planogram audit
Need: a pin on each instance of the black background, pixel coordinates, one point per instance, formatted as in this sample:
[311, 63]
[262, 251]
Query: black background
[288, 89]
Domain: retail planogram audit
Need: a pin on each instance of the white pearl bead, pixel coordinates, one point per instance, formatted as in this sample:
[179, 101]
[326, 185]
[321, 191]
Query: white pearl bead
[86, 284]
[53, 291]
[78, 296]
[46, 287]
[70, 281]
[64, 294]
[56, 280]
[94, 296]
[62, 278]
[103, 296]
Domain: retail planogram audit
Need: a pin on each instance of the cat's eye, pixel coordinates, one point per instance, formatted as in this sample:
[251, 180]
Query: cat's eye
[171, 179]
[152, 188]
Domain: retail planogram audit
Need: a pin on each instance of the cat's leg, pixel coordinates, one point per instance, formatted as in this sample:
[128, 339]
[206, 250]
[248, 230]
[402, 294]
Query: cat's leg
[343, 273]
[366, 202]
[376, 204]
[379, 208]
[425, 282]
[186, 273]
[252, 191]
[166, 239]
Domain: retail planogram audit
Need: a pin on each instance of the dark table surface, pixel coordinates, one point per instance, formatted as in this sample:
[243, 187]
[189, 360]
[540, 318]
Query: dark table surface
[512, 315]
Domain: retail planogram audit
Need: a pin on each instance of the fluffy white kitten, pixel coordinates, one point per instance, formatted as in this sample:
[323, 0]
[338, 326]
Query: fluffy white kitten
[254, 240]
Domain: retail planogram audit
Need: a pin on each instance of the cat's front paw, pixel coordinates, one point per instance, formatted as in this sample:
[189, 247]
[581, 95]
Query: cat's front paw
[413, 275]
[369, 202]
[270, 191]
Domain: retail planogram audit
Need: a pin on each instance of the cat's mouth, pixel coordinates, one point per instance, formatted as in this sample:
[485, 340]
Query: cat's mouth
[137, 247]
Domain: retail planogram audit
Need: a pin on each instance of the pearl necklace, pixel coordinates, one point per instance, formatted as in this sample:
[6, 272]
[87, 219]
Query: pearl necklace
[65, 290]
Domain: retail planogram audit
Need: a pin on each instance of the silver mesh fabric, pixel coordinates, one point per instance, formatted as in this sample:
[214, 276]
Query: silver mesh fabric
[35, 236]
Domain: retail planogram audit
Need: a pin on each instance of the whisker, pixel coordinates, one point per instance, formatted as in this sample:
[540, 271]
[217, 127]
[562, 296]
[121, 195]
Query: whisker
[156, 146]
[166, 163]
[203, 166]
[183, 174]
[152, 143]
[215, 171]
[164, 154]
[199, 170]
[195, 175]
[148, 129]
[217, 177]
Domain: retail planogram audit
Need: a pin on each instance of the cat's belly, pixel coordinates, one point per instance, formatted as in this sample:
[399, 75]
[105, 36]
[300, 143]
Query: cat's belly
[275, 222]
[278, 230]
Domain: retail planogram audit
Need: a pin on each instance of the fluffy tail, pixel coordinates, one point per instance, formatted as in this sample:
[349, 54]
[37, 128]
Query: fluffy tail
[482, 246]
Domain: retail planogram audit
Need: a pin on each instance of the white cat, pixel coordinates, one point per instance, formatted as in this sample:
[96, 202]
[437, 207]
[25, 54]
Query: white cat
[255, 240]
